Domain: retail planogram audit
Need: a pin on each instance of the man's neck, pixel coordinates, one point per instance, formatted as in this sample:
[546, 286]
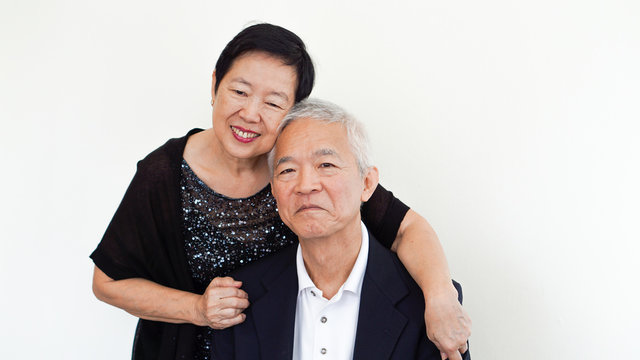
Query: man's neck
[329, 260]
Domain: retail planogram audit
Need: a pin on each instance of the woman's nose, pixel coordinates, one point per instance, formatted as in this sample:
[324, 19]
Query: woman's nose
[251, 110]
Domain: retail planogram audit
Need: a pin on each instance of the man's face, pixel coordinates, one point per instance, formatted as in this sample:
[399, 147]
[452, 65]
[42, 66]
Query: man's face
[316, 181]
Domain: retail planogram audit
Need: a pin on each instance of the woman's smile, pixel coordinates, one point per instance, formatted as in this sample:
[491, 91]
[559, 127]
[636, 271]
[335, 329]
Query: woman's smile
[243, 135]
[251, 100]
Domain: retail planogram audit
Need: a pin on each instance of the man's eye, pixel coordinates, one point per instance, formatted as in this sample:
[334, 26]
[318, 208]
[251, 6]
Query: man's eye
[286, 171]
[326, 165]
[240, 92]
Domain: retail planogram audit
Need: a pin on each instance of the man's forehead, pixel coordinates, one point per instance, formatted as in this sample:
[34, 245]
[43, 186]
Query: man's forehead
[311, 137]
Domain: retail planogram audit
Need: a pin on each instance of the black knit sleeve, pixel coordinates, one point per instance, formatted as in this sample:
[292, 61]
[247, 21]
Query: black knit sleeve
[120, 253]
[383, 214]
[143, 238]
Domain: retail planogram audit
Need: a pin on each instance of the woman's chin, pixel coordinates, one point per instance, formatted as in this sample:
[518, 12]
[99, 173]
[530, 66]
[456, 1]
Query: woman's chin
[246, 151]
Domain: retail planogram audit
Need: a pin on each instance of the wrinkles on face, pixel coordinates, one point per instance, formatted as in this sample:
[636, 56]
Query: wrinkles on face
[316, 182]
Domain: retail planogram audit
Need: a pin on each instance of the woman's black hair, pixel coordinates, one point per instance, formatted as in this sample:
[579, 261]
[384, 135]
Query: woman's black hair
[276, 41]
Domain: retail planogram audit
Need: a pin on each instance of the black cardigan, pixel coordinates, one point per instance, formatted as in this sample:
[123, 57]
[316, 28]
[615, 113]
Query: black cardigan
[145, 240]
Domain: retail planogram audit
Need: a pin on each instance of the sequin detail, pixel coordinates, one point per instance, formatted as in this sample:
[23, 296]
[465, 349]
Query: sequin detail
[222, 234]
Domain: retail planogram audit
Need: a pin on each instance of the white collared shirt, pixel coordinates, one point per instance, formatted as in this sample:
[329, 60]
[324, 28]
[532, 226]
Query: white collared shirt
[326, 329]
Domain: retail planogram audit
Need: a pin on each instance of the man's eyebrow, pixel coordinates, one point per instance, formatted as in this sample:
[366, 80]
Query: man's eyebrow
[275, 93]
[325, 152]
[317, 153]
[283, 159]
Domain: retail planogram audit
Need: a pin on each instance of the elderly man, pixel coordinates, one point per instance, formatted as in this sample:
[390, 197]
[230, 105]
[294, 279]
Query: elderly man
[338, 294]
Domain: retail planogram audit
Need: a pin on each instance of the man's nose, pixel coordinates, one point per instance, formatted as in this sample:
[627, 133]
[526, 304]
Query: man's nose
[308, 181]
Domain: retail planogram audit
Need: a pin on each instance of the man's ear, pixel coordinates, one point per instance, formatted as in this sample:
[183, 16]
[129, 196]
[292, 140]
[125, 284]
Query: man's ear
[271, 186]
[213, 85]
[370, 183]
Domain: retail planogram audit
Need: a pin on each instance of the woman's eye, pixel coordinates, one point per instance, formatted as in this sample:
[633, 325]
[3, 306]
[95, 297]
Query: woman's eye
[274, 105]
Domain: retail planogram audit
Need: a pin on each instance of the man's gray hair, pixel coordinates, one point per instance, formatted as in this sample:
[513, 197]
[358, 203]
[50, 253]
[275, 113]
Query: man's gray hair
[325, 111]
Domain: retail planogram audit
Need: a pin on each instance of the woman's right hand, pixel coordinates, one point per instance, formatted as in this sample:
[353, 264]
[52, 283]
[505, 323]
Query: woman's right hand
[222, 304]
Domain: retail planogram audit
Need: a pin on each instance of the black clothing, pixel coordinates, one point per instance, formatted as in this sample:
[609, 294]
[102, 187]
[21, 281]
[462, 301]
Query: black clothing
[221, 234]
[145, 239]
[390, 316]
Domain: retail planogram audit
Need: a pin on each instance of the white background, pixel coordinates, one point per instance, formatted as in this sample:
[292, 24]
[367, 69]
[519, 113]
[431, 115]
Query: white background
[511, 126]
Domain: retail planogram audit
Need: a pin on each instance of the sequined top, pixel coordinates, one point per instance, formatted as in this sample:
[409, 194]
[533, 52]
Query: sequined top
[146, 239]
[221, 234]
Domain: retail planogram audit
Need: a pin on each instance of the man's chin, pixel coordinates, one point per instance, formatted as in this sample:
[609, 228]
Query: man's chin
[310, 230]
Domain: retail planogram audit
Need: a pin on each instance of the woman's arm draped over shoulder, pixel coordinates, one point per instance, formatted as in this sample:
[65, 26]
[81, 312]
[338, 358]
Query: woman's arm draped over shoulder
[417, 245]
[383, 215]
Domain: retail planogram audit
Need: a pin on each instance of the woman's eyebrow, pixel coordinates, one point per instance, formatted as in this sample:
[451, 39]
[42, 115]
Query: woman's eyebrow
[280, 95]
[241, 80]
[273, 92]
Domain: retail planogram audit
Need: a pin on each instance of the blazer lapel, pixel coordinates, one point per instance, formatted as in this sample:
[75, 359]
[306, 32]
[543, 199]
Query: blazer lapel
[379, 323]
[274, 312]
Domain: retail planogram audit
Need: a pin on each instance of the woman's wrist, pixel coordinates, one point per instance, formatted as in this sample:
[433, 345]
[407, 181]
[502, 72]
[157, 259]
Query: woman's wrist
[440, 289]
[195, 315]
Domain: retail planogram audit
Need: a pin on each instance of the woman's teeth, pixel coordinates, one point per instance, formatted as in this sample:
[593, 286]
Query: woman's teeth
[244, 134]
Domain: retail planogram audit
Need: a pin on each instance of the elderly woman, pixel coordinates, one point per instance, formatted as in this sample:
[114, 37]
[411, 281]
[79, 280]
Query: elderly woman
[200, 206]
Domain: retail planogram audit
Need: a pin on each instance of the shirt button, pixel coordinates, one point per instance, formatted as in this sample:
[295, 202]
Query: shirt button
[323, 319]
[323, 351]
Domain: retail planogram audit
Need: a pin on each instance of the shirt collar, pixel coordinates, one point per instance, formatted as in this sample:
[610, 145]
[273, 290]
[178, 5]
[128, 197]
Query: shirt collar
[356, 277]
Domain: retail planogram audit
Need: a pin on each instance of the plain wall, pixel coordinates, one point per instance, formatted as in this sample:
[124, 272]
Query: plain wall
[511, 126]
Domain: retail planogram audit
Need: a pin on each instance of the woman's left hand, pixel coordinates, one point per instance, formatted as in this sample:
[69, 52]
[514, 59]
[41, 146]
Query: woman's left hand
[448, 325]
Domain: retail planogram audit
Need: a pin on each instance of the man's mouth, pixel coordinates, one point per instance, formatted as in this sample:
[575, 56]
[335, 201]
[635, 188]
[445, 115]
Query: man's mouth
[308, 207]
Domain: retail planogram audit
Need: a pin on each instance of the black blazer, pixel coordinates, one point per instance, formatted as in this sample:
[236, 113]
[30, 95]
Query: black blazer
[390, 322]
[145, 240]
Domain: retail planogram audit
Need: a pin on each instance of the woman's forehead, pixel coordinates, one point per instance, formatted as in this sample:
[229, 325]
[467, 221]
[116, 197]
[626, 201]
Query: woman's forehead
[260, 68]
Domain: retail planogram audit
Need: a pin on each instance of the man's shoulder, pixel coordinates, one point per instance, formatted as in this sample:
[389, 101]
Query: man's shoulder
[393, 281]
[388, 278]
[387, 270]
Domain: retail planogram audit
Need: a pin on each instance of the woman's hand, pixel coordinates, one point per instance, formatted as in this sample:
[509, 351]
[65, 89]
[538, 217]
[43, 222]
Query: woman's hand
[448, 325]
[418, 247]
[222, 304]
[219, 307]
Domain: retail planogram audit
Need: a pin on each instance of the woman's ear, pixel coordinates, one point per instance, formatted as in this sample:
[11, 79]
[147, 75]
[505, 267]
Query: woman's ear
[370, 183]
[213, 86]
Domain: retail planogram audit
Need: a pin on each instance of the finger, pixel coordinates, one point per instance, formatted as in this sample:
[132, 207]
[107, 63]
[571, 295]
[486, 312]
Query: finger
[225, 292]
[223, 324]
[217, 317]
[464, 348]
[229, 313]
[232, 303]
[454, 355]
[225, 281]
[443, 355]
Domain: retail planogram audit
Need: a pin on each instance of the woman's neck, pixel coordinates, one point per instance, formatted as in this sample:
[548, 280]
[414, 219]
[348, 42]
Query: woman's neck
[222, 172]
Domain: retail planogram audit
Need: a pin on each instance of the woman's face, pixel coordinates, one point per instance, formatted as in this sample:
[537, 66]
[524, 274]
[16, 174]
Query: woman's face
[252, 98]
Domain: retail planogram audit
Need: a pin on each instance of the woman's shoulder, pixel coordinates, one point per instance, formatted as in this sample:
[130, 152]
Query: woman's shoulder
[167, 155]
